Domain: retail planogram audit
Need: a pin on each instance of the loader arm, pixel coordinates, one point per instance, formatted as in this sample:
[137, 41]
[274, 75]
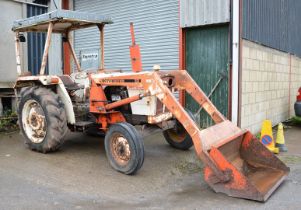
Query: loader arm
[184, 82]
[236, 163]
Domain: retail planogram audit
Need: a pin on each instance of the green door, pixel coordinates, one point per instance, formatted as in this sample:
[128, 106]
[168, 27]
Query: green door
[207, 61]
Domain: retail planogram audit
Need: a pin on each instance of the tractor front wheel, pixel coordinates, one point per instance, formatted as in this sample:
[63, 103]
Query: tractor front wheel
[178, 137]
[124, 148]
[42, 119]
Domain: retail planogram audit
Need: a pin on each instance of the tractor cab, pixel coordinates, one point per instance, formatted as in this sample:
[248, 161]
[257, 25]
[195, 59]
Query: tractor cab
[62, 22]
[65, 22]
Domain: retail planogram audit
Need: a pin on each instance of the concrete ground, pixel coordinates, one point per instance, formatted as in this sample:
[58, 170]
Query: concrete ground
[79, 177]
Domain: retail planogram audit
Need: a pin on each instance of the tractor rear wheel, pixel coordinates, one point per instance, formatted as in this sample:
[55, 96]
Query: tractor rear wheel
[178, 137]
[124, 148]
[42, 119]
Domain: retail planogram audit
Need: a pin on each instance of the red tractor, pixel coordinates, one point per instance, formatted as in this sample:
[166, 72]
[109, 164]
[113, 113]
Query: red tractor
[236, 163]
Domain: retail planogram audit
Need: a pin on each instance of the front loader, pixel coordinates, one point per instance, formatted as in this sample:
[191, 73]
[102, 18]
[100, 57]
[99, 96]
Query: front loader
[114, 102]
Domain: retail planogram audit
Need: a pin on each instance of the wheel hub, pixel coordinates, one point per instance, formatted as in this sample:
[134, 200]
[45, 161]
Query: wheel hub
[178, 133]
[121, 150]
[34, 122]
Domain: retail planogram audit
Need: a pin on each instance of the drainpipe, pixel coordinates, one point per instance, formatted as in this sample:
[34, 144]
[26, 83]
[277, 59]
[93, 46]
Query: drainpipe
[235, 60]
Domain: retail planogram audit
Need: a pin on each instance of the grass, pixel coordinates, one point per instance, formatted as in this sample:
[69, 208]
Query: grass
[8, 122]
[290, 159]
[296, 120]
[258, 135]
[189, 167]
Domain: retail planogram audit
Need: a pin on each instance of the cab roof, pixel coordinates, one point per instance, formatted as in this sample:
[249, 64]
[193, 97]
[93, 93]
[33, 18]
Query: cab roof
[64, 20]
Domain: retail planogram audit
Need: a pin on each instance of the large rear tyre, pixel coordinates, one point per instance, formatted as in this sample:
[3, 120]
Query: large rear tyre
[178, 137]
[42, 119]
[124, 148]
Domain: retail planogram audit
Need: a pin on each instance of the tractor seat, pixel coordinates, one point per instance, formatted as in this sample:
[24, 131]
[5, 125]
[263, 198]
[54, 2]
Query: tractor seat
[70, 84]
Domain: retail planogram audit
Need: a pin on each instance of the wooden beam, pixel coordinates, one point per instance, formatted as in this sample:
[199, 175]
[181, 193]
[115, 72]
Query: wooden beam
[40, 30]
[46, 49]
[102, 57]
[73, 52]
[65, 4]
[66, 51]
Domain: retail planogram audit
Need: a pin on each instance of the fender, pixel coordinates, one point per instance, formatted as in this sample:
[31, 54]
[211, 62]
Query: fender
[62, 92]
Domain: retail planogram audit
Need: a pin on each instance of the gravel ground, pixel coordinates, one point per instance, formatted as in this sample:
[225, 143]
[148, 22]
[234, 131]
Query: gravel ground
[79, 177]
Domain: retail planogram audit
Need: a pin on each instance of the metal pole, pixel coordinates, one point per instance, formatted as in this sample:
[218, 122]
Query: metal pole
[46, 48]
[132, 33]
[18, 57]
[197, 114]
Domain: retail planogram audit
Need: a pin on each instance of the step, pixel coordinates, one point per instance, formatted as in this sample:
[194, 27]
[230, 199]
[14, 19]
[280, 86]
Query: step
[83, 125]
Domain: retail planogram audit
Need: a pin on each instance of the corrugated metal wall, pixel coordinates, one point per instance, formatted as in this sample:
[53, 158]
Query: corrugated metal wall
[36, 42]
[274, 23]
[10, 11]
[204, 12]
[156, 26]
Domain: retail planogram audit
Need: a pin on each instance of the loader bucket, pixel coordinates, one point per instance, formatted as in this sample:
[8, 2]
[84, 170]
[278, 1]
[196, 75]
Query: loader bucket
[253, 171]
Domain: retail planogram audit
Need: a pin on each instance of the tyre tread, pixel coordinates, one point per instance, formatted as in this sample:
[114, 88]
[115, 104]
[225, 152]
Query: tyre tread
[55, 116]
[137, 147]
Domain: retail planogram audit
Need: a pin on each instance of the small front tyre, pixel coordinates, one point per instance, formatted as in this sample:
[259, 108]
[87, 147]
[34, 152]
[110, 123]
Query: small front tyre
[124, 148]
[178, 137]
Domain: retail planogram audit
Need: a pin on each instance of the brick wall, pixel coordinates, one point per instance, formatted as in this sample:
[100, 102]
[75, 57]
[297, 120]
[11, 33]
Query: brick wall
[270, 80]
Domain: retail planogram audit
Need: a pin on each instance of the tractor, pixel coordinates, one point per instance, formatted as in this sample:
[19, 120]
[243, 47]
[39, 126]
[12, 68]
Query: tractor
[116, 102]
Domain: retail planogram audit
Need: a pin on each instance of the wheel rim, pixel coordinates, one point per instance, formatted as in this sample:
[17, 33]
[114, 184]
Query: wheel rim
[120, 149]
[178, 133]
[34, 121]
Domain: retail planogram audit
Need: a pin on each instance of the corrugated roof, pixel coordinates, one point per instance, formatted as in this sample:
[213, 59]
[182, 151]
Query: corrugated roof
[64, 19]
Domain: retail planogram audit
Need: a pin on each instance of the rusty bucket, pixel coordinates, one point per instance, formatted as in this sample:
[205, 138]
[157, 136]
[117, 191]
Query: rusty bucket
[252, 171]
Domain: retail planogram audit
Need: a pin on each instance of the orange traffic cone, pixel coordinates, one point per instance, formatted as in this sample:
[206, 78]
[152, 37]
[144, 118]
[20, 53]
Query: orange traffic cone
[266, 137]
[280, 141]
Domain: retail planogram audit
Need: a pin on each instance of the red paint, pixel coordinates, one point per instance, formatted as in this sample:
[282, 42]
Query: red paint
[299, 96]
[109, 118]
[122, 102]
[65, 4]
[97, 98]
[182, 62]
[67, 66]
[135, 52]
[248, 138]
[54, 80]
[135, 58]
[207, 173]
[238, 181]
[115, 117]
[66, 50]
